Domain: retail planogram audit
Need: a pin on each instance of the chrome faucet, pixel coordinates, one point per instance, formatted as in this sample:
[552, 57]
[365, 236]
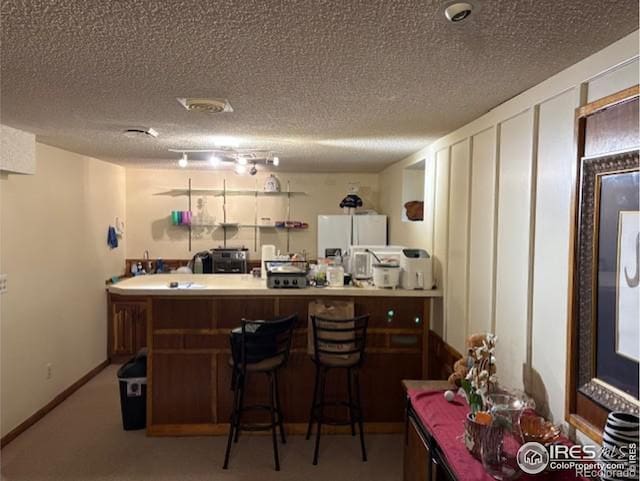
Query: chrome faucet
[148, 264]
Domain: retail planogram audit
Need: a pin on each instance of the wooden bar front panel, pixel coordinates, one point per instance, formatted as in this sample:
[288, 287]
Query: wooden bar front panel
[190, 376]
[182, 389]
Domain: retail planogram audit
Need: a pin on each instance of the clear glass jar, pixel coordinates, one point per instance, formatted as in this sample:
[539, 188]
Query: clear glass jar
[500, 444]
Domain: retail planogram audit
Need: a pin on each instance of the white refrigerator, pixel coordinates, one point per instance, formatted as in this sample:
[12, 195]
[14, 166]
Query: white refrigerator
[342, 231]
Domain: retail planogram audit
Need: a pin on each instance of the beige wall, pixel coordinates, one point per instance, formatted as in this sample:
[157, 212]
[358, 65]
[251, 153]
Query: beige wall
[500, 221]
[53, 249]
[148, 214]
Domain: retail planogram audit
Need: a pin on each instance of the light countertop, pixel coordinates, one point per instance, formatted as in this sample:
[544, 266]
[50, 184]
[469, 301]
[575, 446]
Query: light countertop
[242, 285]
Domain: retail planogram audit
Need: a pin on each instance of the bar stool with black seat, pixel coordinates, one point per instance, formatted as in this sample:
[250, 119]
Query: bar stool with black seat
[338, 344]
[259, 347]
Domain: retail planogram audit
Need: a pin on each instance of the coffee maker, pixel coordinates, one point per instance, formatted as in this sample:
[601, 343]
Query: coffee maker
[416, 269]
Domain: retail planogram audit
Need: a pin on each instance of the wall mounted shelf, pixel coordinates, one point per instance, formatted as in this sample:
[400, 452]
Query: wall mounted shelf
[228, 192]
[224, 225]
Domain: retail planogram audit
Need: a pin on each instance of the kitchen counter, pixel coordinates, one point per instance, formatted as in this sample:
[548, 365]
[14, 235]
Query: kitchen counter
[186, 331]
[243, 284]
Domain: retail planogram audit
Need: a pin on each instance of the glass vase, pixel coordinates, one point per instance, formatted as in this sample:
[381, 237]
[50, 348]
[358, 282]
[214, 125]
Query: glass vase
[500, 444]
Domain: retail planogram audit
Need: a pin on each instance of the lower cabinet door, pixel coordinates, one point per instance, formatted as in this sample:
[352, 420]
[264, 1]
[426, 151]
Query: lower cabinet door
[128, 328]
[417, 457]
[439, 471]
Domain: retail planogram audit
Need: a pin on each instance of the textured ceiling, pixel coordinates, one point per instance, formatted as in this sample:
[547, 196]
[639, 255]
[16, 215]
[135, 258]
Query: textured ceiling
[349, 85]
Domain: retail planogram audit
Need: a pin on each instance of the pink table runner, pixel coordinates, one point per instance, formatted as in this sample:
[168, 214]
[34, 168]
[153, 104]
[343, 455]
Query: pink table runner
[445, 421]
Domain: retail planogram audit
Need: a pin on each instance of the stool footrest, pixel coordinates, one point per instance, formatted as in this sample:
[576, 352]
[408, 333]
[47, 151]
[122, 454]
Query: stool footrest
[258, 427]
[255, 407]
[334, 421]
[338, 404]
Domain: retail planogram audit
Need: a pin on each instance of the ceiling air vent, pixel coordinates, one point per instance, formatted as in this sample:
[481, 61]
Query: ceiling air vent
[208, 106]
[136, 132]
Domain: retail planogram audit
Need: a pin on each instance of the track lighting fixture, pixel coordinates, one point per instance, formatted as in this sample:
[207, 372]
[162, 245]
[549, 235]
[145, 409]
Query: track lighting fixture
[243, 160]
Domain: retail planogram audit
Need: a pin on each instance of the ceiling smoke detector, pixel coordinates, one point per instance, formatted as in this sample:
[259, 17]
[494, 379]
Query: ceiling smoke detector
[137, 132]
[457, 12]
[207, 106]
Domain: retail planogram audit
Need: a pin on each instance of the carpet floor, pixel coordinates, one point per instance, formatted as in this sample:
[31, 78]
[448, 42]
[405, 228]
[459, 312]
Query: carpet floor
[82, 440]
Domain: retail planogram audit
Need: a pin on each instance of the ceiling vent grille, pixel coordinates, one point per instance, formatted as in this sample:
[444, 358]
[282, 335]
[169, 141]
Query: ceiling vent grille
[208, 106]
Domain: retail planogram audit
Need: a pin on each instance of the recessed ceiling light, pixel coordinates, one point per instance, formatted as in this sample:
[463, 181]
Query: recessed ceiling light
[208, 106]
[137, 132]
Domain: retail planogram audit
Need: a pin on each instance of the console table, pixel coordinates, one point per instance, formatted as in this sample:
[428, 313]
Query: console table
[433, 446]
[423, 459]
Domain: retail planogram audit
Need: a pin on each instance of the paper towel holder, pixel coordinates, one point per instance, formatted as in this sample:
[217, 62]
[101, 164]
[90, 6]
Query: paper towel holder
[119, 226]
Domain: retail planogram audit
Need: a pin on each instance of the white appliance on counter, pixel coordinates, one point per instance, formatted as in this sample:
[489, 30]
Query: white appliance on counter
[268, 254]
[386, 275]
[417, 270]
[361, 260]
[342, 231]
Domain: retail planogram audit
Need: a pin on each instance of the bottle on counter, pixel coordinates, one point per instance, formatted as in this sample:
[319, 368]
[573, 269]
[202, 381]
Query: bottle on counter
[335, 276]
[197, 265]
[159, 266]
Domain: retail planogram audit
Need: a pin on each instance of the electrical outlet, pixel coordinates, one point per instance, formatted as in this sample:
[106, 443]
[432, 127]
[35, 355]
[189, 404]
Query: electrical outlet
[4, 278]
[49, 370]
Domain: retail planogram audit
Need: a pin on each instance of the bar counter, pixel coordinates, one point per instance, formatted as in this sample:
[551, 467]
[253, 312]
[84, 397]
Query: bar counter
[242, 284]
[186, 331]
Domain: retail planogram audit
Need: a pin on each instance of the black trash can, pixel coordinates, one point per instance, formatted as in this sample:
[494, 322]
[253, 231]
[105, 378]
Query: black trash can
[132, 377]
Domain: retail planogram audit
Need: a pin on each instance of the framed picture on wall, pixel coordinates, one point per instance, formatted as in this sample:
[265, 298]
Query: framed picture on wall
[608, 297]
[604, 340]
[609, 293]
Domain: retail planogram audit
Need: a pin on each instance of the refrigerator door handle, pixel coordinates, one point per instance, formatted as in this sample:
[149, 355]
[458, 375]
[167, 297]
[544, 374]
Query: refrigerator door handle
[354, 231]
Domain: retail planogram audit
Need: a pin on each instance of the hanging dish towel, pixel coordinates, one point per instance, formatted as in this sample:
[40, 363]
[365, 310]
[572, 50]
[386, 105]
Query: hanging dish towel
[112, 238]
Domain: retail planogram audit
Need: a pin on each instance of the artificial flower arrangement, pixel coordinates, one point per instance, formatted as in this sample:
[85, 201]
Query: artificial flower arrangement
[476, 376]
[492, 428]
[481, 376]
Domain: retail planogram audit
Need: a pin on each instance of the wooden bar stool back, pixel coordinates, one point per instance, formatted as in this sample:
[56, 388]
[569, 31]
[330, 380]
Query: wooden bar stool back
[259, 347]
[338, 344]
